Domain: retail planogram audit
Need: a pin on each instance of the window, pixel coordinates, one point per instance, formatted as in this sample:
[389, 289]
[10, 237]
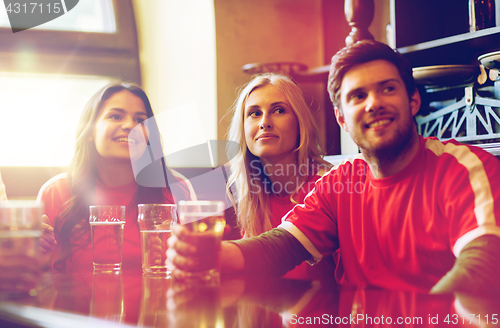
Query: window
[47, 75]
[40, 113]
[88, 16]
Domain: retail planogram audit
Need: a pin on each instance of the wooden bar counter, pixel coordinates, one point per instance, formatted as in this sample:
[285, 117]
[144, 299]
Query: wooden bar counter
[131, 299]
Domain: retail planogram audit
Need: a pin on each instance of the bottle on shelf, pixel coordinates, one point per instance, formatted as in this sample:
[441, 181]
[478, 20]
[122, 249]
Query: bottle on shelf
[481, 14]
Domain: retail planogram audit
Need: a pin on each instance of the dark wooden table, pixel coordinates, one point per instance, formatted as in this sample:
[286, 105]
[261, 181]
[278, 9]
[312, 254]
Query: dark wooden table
[129, 299]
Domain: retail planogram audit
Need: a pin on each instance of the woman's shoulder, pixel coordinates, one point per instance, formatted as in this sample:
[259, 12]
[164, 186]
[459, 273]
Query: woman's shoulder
[55, 185]
[320, 167]
[54, 193]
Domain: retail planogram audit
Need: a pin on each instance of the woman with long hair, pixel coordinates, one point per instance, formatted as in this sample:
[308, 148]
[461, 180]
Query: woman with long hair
[279, 159]
[116, 144]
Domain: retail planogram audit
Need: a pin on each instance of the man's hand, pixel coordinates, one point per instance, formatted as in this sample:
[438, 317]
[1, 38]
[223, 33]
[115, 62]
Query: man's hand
[475, 271]
[185, 256]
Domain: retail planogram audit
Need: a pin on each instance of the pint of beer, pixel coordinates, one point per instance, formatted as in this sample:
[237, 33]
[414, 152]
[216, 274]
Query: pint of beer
[106, 228]
[155, 221]
[206, 220]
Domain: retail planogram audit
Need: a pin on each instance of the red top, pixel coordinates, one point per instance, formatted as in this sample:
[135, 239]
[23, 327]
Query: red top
[403, 231]
[55, 192]
[280, 206]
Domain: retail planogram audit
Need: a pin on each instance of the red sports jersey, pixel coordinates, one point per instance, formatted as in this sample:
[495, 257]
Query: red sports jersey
[280, 206]
[55, 192]
[403, 231]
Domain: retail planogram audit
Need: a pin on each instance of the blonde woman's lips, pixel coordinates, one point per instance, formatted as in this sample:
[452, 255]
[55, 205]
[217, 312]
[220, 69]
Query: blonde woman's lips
[267, 136]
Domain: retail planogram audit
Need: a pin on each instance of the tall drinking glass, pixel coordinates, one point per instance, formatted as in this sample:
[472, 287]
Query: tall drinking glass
[20, 231]
[206, 220]
[155, 221]
[106, 229]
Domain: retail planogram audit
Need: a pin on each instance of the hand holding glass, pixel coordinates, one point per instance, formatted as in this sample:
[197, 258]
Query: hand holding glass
[205, 220]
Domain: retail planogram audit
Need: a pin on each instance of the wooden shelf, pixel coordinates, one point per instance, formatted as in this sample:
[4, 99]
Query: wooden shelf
[460, 38]
[461, 49]
[492, 148]
[317, 74]
[454, 50]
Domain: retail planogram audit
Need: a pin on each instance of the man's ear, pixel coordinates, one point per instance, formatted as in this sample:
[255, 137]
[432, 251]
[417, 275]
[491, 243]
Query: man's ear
[340, 119]
[415, 102]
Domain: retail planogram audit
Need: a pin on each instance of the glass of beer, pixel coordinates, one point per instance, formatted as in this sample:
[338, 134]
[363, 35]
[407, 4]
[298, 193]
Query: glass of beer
[155, 221]
[20, 231]
[205, 219]
[106, 229]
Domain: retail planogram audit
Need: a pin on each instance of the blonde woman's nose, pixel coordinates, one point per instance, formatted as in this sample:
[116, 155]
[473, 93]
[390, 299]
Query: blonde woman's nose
[265, 122]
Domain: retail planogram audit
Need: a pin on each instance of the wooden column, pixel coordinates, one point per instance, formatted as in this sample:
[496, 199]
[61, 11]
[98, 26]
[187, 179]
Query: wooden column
[359, 15]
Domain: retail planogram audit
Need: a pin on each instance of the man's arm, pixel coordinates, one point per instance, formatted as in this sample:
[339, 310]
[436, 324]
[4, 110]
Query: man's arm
[476, 270]
[272, 253]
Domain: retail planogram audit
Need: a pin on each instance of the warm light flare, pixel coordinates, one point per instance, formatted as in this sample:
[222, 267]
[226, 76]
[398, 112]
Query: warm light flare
[40, 113]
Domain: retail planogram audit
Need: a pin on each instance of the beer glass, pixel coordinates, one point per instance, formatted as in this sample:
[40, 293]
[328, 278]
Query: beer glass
[106, 229]
[205, 219]
[155, 221]
[20, 231]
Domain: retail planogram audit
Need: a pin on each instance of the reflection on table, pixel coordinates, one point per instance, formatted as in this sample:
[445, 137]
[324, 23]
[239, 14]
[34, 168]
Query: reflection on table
[131, 299]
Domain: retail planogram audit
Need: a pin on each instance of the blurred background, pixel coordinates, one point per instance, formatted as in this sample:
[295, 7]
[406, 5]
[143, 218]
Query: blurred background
[188, 55]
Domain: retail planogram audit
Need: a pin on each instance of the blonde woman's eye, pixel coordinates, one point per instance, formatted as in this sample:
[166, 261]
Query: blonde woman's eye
[254, 114]
[115, 117]
[279, 110]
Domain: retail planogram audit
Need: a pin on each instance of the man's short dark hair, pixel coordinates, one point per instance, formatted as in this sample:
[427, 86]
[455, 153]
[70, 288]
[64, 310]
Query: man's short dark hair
[362, 52]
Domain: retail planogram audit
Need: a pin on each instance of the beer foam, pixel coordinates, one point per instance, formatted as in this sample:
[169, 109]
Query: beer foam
[107, 223]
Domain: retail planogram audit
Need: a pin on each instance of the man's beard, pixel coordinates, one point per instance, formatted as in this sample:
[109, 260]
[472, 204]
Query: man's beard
[393, 148]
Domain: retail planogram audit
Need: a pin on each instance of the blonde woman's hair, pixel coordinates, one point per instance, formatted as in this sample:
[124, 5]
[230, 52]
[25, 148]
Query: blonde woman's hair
[245, 184]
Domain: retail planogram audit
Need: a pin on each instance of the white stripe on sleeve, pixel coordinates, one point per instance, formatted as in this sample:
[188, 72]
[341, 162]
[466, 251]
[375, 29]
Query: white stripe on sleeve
[308, 245]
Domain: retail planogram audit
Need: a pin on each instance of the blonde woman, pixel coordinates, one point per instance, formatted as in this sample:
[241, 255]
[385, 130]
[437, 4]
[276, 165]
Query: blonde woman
[279, 159]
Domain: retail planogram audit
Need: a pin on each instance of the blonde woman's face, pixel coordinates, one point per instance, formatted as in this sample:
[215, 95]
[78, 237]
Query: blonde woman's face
[114, 134]
[270, 125]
